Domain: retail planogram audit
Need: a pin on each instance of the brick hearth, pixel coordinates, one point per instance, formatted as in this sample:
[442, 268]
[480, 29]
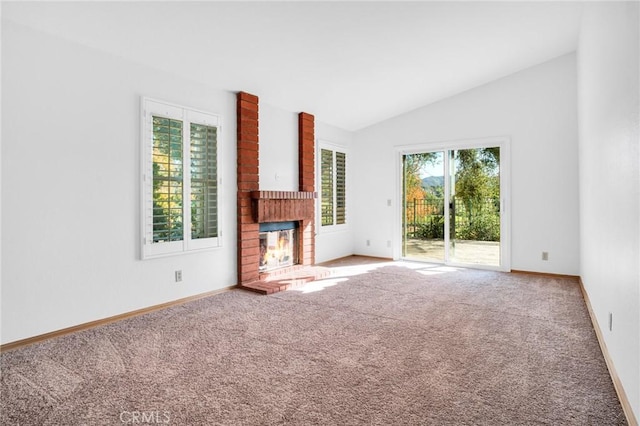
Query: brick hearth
[257, 206]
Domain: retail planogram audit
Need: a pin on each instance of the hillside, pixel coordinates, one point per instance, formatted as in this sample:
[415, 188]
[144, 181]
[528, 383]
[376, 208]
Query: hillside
[433, 182]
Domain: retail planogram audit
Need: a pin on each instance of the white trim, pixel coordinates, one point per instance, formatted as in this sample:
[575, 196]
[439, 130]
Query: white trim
[486, 142]
[447, 201]
[504, 142]
[332, 145]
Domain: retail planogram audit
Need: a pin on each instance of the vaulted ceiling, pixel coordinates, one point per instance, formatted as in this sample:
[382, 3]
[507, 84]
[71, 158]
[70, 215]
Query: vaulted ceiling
[351, 64]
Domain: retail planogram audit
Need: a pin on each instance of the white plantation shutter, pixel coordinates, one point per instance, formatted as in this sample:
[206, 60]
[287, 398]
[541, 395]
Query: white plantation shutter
[180, 179]
[341, 188]
[326, 189]
[333, 187]
[167, 180]
[204, 181]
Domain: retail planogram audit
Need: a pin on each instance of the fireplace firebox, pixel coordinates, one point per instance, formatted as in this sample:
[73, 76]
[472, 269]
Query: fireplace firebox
[278, 245]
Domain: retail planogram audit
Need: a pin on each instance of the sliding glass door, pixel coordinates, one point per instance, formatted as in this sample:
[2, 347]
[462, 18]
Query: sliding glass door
[424, 206]
[453, 206]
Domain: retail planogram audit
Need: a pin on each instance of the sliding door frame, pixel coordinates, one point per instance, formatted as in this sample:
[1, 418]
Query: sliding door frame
[504, 143]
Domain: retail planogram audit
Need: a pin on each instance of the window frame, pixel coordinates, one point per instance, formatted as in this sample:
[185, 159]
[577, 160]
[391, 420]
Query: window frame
[323, 145]
[153, 107]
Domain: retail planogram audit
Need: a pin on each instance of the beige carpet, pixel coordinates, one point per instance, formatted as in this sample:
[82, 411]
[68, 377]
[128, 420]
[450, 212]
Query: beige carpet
[397, 345]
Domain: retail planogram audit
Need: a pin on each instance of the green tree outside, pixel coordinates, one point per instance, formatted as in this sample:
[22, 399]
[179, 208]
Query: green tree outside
[476, 200]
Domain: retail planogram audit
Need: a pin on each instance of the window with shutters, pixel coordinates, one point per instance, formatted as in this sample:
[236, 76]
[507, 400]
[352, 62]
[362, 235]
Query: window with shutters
[333, 186]
[180, 184]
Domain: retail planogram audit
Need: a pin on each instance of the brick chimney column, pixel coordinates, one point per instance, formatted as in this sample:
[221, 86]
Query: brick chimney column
[248, 180]
[306, 183]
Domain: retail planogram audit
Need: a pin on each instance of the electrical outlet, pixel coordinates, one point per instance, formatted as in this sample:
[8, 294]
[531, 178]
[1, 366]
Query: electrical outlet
[545, 255]
[368, 243]
[388, 243]
[178, 276]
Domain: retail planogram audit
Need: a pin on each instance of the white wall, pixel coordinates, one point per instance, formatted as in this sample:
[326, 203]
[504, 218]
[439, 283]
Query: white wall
[70, 187]
[335, 244]
[278, 131]
[536, 109]
[610, 180]
[1, 172]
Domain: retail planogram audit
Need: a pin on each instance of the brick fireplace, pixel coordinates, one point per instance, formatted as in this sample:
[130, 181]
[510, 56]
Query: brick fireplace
[256, 206]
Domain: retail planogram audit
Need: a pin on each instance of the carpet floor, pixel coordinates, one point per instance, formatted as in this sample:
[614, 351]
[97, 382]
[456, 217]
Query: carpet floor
[381, 344]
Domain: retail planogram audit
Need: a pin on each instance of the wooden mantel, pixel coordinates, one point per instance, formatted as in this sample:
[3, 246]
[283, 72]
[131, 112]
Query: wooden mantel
[281, 206]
